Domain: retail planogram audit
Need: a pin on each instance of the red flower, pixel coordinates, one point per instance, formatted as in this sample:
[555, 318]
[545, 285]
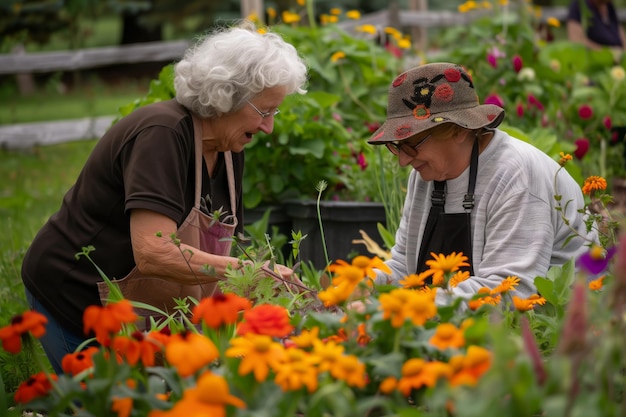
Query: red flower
[520, 110]
[135, 348]
[220, 309]
[608, 123]
[30, 321]
[108, 319]
[582, 147]
[77, 362]
[517, 63]
[36, 386]
[266, 319]
[585, 112]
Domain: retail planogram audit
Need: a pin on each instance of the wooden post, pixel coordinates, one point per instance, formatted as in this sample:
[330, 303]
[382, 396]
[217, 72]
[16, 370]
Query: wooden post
[253, 6]
[419, 35]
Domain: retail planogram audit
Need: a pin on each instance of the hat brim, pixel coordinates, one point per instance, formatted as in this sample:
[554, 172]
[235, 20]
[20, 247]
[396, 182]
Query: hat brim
[401, 128]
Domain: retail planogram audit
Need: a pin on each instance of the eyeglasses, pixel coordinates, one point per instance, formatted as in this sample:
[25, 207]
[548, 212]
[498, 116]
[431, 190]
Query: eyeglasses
[264, 114]
[409, 150]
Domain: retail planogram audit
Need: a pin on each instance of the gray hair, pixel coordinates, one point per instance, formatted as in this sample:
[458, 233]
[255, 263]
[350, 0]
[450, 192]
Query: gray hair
[232, 65]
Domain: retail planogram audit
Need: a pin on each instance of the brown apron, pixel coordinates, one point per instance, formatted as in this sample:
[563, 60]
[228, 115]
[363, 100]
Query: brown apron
[199, 230]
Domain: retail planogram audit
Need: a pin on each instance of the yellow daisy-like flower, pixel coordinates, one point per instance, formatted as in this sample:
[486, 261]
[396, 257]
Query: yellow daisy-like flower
[271, 12]
[459, 277]
[393, 32]
[485, 298]
[351, 370]
[597, 284]
[371, 29]
[259, 353]
[336, 11]
[594, 183]
[337, 294]
[415, 280]
[262, 31]
[392, 305]
[447, 335]
[337, 56]
[442, 264]
[420, 307]
[298, 370]
[507, 284]
[522, 304]
[618, 73]
[404, 43]
[328, 353]
[554, 22]
[565, 157]
[306, 338]
[353, 14]
[537, 299]
[290, 17]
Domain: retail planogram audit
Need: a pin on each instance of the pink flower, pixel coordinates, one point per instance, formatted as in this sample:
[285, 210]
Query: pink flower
[608, 123]
[520, 110]
[492, 60]
[517, 63]
[494, 99]
[372, 126]
[532, 100]
[582, 147]
[361, 161]
[585, 112]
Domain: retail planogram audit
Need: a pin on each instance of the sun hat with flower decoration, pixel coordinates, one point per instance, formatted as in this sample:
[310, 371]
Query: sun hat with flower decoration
[430, 95]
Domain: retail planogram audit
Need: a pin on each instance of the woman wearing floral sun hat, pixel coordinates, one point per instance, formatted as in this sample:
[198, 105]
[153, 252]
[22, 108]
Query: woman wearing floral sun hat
[474, 189]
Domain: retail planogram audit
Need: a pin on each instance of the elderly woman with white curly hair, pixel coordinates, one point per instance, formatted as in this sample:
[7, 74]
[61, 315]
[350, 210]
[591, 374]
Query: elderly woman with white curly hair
[170, 167]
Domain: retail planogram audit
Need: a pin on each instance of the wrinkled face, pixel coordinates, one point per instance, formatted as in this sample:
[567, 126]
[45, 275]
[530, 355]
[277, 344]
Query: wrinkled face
[440, 157]
[235, 129]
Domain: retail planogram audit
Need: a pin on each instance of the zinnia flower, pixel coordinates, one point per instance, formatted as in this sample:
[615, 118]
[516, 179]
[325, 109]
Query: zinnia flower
[34, 387]
[108, 320]
[268, 319]
[220, 309]
[28, 322]
[593, 183]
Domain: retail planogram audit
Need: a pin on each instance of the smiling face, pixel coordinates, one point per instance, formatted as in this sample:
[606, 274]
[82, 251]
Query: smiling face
[232, 131]
[443, 157]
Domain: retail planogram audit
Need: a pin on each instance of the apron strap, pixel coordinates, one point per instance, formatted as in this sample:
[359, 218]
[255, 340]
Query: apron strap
[197, 135]
[468, 201]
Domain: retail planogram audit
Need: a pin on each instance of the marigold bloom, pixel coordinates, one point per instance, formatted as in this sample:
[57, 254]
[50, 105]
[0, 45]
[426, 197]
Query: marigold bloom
[392, 305]
[36, 386]
[486, 297]
[417, 373]
[271, 12]
[306, 338]
[220, 309]
[108, 319]
[136, 347]
[420, 307]
[442, 264]
[77, 362]
[348, 368]
[297, 370]
[267, 319]
[594, 183]
[188, 352]
[361, 267]
[328, 353]
[258, 353]
[447, 335]
[388, 385]
[27, 322]
[597, 284]
[468, 369]
[209, 398]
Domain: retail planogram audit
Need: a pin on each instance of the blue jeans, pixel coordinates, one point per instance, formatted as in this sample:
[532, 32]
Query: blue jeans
[58, 340]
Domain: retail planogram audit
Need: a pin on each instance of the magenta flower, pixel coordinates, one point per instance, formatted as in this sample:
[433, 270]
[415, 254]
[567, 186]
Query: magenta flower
[361, 161]
[608, 123]
[520, 110]
[582, 147]
[492, 60]
[517, 63]
[532, 100]
[494, 99]
[585, 112]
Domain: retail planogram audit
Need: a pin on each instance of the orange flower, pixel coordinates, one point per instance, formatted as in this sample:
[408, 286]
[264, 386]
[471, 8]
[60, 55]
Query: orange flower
[469, 368]
[267, 319]
[349, 369]
[77, 362]
[29, 321]
[447, 335]
[188, 352]
[221, 309]
[258, 353]
[136, 347]
[594, 183]
[34, 387]
[108, 319]
[597, 284]
[522, 304]
[122, 406]
[415, 280]
[362, 267]
[298, 370]
[417, 373]
[442, 264]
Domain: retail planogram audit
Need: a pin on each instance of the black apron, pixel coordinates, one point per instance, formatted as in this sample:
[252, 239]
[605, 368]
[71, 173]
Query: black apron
[446, 233]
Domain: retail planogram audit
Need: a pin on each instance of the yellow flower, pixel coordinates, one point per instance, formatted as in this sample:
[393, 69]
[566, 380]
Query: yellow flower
[564, 158]
[442, 264]
[259, 353]
[597, 284]
[306, 338]
[262, 31]
[271, 12]
[618, 73]
[469, 368]
[447, 335]
[404, 43]
[337, 294]
[594, 183]
[337, 56]
[485, 298]
[328, 353]
[522, 304]
[297, 371]
[335, 11]
[353, 14]
[420, 307]
[415, 280]
[554, 22]
[371, 29]
[459, 277]
[289, 17]
[388, 385]
[253, 17]
[507, 284]
[392, 305]
[302, 2]
[351, 370]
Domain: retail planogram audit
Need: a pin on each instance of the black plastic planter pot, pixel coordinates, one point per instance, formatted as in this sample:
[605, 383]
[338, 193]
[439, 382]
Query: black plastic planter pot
[341, 222]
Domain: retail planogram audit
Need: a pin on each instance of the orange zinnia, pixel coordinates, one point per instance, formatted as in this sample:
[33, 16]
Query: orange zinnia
[220, 309]
[594, 183]
[29, 321]
[267, 319]
[136, 347]
[447, 335]
[77, 362]
[189, 352]
[36, 386]
[108, 319]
